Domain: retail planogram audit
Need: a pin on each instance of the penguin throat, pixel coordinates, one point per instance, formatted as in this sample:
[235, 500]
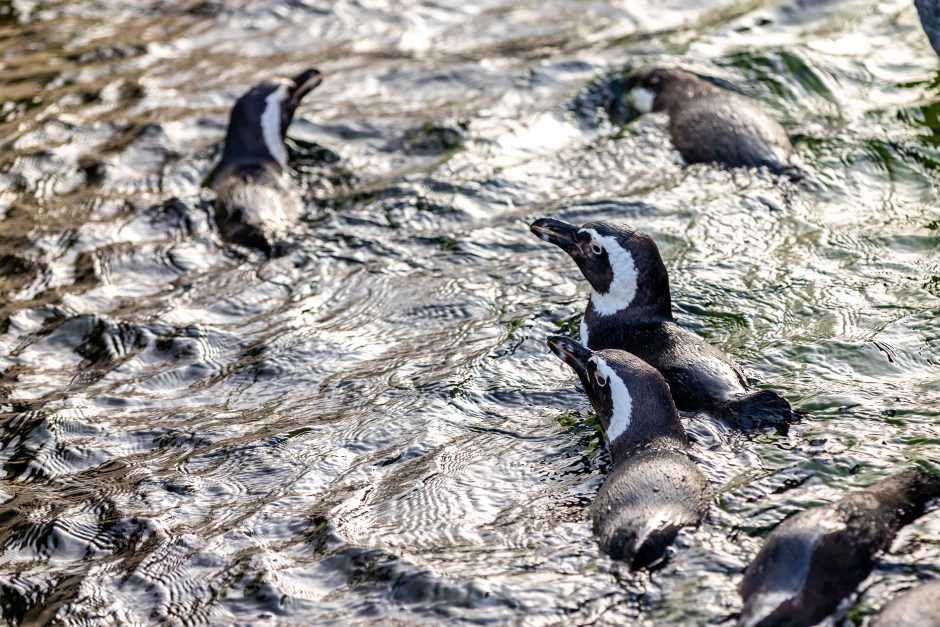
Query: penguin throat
[271, 124]
[620, 399]
[642, 99]
[622, 289]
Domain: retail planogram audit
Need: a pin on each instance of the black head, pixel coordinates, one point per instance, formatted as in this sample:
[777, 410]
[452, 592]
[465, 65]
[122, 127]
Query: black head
[645, 86]
[259, 120]
[622, 265]
[630, 397]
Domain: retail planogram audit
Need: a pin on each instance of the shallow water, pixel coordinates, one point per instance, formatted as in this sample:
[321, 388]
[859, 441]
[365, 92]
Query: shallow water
[370, 428]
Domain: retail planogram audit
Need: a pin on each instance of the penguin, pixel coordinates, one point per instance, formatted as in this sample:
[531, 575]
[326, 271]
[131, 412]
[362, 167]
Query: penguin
[814, 559]
[929, 13]
[630, 309]
[712, 125]
[255, 205]
[653, 489]
[919, 607]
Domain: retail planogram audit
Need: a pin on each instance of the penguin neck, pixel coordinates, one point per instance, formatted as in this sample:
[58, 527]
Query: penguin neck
[637, 420]
[243, 149]
[639, 311]
[256, 130]
[636, 291]
[625, 446]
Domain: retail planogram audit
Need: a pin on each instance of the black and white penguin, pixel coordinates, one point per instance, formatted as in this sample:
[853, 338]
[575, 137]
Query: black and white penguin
[929, 13]
[814, 559]
[254, 203]
[712, 125]
[630, 309]
[653, 489]
[919, 607]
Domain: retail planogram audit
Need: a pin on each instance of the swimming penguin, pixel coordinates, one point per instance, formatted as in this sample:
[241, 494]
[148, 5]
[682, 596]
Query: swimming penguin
[929, 13]
[919, 607]
[712, 125]
[254, 203]
[653, 489]
[630, 309]
[814, 559]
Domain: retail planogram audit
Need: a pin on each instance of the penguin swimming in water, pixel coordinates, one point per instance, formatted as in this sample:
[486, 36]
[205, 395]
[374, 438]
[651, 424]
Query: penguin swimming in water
[630, 309]
[919, 607]
[712, 125]
[653, 489]
[814, 559]
[255, 205]
[929, 13]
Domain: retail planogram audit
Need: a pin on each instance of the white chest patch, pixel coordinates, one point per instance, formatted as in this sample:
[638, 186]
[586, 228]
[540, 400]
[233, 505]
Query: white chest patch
[620, 398]
[642, 99]
[271, 124]
[584, 333]
[622, 288]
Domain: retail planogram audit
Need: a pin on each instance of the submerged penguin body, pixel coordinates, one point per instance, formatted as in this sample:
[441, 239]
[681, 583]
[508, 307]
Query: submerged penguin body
[643, 504]
[653, 489]
[919, 607]
[708, 124]
[255, 204]
[816, 558]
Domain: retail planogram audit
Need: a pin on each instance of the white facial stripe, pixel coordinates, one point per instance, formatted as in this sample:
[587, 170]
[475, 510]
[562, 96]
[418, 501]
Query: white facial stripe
[622, 289]
[271, 124]
[642, 99]
[620, 398]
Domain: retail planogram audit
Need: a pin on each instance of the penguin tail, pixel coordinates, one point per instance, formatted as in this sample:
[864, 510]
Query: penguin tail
[655, 551]
[762, 408]
[651, 554]
[792, 172]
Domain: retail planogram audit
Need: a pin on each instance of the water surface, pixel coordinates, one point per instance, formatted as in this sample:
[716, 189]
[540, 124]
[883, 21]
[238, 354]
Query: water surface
[370, 428]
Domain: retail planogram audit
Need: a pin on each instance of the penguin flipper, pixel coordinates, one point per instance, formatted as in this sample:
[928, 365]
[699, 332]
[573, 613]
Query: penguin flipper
[761, 408]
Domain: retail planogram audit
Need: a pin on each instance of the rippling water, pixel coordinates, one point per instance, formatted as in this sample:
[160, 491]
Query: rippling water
[371, 428]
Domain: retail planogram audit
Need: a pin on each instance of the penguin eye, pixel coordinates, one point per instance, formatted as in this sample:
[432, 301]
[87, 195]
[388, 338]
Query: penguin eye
[596, 249]
[599, 380]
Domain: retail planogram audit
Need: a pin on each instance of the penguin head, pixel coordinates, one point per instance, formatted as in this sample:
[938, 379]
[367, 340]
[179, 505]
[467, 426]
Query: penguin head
[622, 265]
[259, 119]
[644, 86]
[630, 397]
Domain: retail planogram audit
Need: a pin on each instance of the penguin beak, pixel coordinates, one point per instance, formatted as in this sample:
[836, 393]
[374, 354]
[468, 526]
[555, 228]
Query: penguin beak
[573, 354]
[304, 83]
[561, 234]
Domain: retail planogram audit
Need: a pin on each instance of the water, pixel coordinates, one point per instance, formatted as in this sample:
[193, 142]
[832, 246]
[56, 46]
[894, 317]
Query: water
[371, 429]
